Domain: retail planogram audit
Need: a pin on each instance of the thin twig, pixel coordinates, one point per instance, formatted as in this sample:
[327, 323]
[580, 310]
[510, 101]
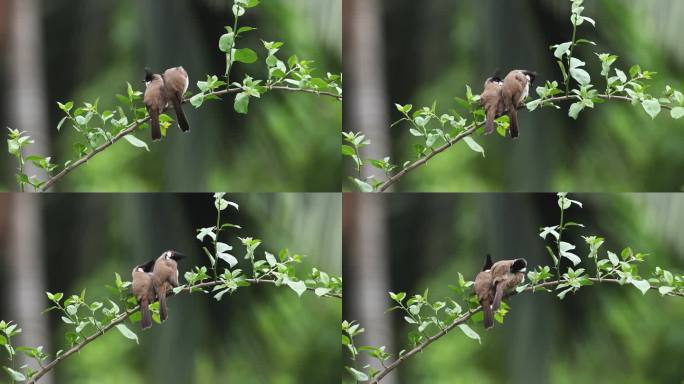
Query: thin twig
[133, 126]
[464, 317]
[125, 315]
[423, 160]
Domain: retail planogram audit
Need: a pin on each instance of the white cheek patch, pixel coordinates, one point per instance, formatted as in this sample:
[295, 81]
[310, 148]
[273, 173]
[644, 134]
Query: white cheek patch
[526, 92]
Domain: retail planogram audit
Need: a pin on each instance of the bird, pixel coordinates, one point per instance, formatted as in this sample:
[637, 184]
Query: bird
[516, 87]
[492, 101]
[483, 288]
[165, 277]
[143, 290]
[155, 100]
[506, 275]
[176, 83]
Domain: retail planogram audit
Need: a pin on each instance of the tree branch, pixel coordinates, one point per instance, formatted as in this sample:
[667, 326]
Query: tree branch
[463, 318]
[125, 315]
[133, 126]
[469, 131]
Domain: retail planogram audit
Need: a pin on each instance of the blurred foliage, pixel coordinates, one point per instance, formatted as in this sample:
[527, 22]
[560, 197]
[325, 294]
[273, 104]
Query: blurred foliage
[94, 48]
[613, 148]
[604, 333]
[90, 237]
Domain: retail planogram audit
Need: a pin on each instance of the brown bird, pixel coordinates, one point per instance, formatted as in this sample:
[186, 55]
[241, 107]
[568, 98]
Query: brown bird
[176, 82]
[165, 277]
[484, 289]
[516, 87]
[506, 275]
[155, 101]
[492, 101]
[143, 290]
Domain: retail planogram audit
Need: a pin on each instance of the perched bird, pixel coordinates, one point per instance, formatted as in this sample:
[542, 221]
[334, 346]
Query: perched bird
[492, 101]
[516, 87]
[176, 83]
[506, 275]
[155, 100]
[484, 289]
[165, 277]
[143, 290]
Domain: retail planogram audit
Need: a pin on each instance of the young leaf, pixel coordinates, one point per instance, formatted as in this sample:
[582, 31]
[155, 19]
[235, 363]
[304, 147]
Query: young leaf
[474, 145]
[469, 332]
[127, 333]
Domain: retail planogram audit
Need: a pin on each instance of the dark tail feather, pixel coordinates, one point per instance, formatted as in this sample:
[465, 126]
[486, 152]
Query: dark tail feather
[146, 316]
[180, 116]
[163, 314]
[497, 297]
[154, 124]
[513, 115]
[488, 316]
[489, 127]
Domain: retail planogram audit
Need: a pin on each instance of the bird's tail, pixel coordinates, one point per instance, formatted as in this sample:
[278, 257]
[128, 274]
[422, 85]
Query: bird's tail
[513, 114]
[163, 313]
[154, 124]
[497, 297]
[489, 126]
[146, 316]
[488, 315]
[180, 115]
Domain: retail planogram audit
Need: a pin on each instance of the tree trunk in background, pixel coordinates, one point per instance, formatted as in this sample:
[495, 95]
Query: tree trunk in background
[369, 266]
[363, 67]
[26, 276]
[26, 80]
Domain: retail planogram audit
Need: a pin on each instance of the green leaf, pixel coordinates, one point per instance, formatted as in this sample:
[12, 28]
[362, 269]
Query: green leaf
[16, 375]
[474, 145]
[322, 291]
[363, 186]
[348, 150]
[358, 375]
[652, 107]
[197, 100]
[664, 290]
[642, 285]
[297, 286]
[242, 103]
[127, 333]
[564, 251]
[271, 259]
[245, 55]
[226, 42]
[575, 109]
[469, 332]
[580, 75]
[134, 141]
[677, 112]
[562, 49]
[613, 258]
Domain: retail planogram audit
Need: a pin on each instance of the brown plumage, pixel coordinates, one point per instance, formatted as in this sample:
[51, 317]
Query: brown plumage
[143, 290]
[516, 87]
[176, 82]
[155, 101]
[165, 277]
[506, 275]
[492, 102]
[483, 288]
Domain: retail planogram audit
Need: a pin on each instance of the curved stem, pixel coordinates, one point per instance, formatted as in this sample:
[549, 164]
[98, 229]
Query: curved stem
[472, 128]
[125, 315]
[464, 317]
[132, 127]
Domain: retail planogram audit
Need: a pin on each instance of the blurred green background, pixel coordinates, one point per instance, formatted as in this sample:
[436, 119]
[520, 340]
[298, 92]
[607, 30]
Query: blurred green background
[601, 334]
[428, 51]
[83, 50]
[261, 334]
